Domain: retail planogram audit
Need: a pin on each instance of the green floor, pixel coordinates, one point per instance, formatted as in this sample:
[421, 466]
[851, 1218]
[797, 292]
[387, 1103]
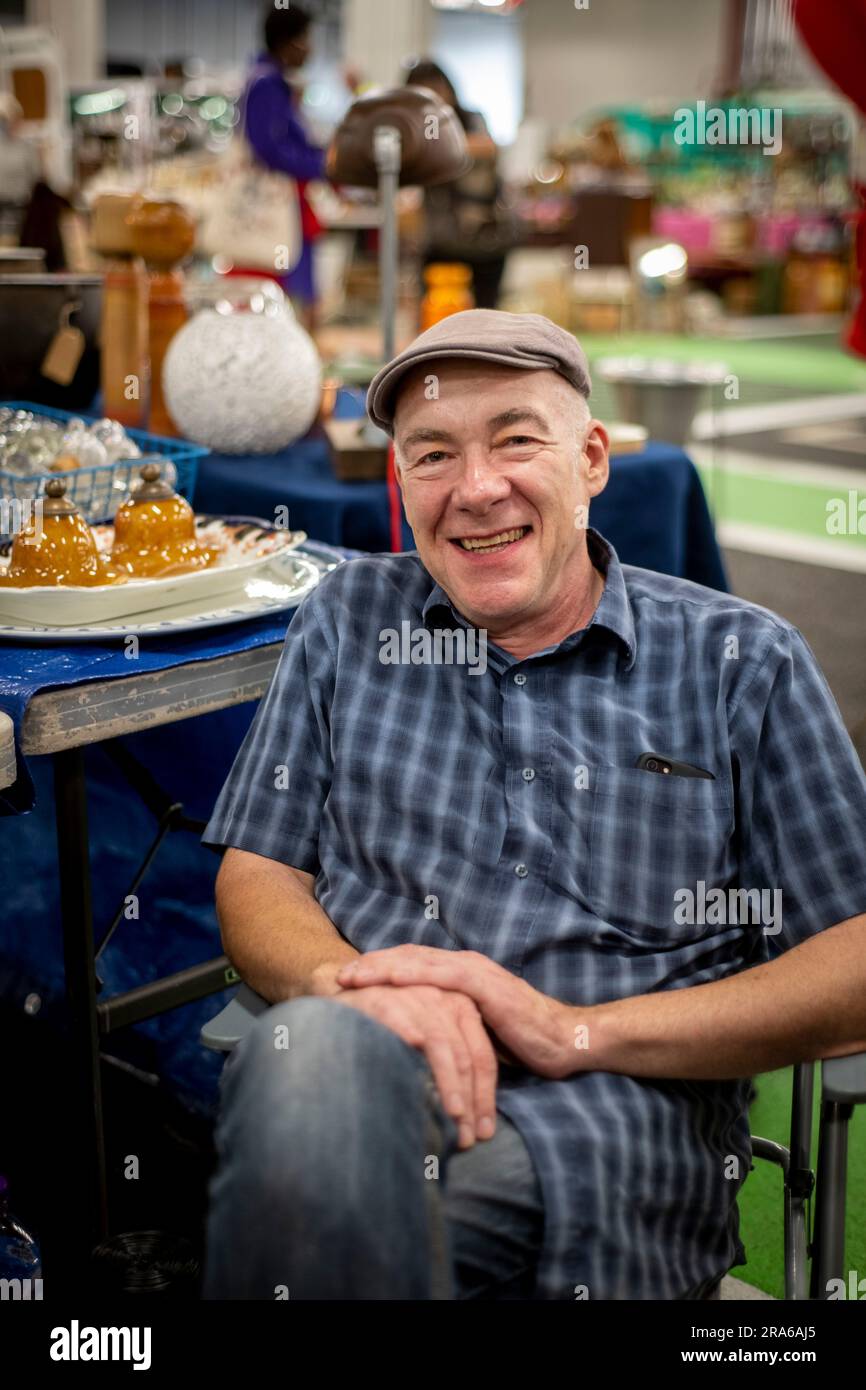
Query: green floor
[807, 368]
[776, 498]
[825, 511]
[761, 1200]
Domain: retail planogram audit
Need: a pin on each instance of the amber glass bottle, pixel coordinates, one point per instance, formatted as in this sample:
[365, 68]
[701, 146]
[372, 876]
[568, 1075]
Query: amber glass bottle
[449, 289]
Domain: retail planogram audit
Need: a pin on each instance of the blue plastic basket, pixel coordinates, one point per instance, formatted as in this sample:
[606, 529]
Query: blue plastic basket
[98, 491]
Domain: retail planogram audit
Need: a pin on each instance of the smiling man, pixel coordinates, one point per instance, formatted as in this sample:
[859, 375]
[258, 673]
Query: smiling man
[501, 1060]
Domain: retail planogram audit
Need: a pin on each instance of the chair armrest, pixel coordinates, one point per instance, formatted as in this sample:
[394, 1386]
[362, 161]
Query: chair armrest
[843, 1079]
[225, 1030]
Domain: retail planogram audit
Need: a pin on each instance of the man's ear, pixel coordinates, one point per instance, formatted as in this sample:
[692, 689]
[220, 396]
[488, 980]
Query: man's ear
[596, 453]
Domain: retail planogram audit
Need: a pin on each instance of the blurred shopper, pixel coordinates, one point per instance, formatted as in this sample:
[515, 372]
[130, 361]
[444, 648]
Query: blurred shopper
[19, 161]
[19, 165]
[31, 211]
[275, 130]
[465, 220]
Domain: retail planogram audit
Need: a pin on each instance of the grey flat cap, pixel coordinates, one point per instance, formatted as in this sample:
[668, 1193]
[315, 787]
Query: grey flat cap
[487, 335]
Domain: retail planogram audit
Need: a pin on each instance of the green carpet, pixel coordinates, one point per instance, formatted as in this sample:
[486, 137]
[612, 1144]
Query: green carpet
[784, 362]
[822, 511]
[760, 1203]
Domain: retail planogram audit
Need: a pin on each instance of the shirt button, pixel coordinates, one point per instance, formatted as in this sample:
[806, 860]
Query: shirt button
[520, 679]
[528, 774]
[521, 870]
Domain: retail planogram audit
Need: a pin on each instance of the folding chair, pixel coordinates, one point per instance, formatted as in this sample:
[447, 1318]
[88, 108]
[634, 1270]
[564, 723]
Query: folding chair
[843, 1085]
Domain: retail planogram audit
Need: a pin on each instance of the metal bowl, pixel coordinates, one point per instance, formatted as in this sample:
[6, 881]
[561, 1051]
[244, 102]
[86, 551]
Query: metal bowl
[663, 396]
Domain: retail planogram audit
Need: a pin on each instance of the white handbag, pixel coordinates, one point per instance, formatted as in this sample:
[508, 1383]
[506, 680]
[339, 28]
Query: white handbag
[254, 215]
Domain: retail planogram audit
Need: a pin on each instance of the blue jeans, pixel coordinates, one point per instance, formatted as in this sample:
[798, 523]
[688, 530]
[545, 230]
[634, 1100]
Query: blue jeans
[339, 1175]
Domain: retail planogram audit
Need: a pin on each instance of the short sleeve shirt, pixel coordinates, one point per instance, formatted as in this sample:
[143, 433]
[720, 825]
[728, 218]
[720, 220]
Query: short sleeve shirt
[444, 792]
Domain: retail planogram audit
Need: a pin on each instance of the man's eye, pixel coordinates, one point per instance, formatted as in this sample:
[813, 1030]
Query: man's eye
[435, 456]
[520, 439]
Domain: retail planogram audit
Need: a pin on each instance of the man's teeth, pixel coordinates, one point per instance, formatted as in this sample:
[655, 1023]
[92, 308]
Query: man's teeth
[504, 538]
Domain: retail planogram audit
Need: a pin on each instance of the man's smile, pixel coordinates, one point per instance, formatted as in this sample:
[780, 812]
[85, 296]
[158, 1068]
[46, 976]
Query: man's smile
[491, 544]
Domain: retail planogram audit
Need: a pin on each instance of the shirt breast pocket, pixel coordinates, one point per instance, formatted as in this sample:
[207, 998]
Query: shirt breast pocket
[653, 835]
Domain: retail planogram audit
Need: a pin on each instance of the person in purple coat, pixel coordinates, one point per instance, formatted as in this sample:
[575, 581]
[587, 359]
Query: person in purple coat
[274, 127]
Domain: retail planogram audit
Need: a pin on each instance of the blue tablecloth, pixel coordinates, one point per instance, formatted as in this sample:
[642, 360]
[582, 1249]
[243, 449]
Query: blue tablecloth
[301, 477]
[176, 927]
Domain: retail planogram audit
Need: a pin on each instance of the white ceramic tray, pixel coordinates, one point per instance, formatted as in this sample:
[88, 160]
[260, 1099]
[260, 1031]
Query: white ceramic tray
[247, 547]
[278, 585]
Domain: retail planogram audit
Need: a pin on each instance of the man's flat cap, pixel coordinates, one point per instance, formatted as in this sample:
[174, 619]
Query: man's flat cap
[485, 335]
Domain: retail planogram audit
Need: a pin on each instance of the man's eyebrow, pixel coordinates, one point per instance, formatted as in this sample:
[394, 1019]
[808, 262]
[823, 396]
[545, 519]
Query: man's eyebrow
[426, 435]
[515, 415]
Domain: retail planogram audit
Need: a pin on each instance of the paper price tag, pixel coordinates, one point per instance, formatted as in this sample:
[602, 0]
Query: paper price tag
[65, 350]
[60, 362]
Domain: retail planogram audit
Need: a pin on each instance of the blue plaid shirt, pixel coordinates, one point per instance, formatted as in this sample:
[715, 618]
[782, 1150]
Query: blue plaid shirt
[502, 812]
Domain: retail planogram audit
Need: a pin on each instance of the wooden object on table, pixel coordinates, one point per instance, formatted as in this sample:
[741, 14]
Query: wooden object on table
[353, 458]
[30, 89]
[163, 233]
[22, 260]
[627, 439]
[123, 331]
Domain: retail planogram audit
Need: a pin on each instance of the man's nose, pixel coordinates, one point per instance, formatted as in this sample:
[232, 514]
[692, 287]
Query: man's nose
[480, 481]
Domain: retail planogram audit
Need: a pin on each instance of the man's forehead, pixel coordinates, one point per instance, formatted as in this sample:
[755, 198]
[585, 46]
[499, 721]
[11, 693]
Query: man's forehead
[425, 389]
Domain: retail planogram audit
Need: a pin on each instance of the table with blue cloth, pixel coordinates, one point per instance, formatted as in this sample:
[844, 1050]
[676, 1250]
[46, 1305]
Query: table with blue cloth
[139, 994]
[653, 510]
[654, 513]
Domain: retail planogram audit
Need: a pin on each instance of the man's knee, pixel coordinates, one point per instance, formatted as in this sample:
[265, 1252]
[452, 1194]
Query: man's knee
[323, 1045]
[313, 1086]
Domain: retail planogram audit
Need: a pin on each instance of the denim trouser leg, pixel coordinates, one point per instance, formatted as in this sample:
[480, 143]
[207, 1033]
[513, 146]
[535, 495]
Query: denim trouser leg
[326, 1186]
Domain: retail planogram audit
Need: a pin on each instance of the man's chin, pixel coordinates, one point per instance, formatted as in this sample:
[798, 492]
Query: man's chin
[493, 616]
[488, 600]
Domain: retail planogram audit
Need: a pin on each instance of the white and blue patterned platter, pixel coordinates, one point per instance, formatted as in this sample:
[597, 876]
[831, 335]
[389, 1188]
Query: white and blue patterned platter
[274, 588]
[245, 547]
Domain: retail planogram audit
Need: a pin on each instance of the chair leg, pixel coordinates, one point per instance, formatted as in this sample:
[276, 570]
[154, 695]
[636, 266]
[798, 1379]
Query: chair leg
[799, 1181]
[796, 1246]
[828, 1248]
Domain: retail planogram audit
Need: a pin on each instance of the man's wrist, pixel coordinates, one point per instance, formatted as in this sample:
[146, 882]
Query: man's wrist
[323, 977]
[591, 1034]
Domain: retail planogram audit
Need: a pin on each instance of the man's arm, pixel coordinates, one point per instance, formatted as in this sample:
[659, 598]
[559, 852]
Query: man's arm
[808, 1003]
[274, 932]
[279, 938]
[284, 945]
[802, 808]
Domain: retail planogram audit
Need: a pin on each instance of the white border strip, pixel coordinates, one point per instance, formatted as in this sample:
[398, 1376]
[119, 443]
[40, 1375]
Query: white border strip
[781, 326]
[723, 462]
[748, 419]
[785, 545]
